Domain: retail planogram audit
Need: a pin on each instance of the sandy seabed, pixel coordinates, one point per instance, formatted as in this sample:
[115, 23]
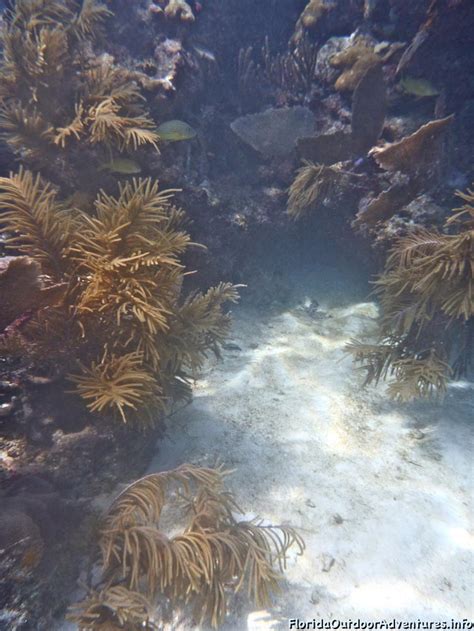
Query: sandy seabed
[381, 492]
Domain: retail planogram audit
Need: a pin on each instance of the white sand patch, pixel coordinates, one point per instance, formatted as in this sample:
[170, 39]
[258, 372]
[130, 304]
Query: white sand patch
[382, 493]
[311, 447]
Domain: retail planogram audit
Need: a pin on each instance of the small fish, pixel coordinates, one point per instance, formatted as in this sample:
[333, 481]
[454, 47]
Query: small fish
[418, 87]
[205, 54]
[123, 166]
[176, 130]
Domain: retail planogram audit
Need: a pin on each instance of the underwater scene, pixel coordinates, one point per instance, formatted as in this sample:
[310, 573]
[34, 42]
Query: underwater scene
[236, 315]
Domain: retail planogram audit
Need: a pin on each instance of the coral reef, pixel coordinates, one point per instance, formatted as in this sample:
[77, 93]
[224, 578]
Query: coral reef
[21, 537]
[33, 523]
[59, 101]
[32, 515]
[116, 607]
[312, 184]
[416, 152]
[368, 110]
[106, 309]
[294, 70]
[157, 75]
[326, 148]
[179, 9]
[326, 152]
[439, 18]
[427, 300]
[144, 567]
[373, 210]
[414, 163]
[122, 331]
[286, 77]
[367, 122]
[309, 18]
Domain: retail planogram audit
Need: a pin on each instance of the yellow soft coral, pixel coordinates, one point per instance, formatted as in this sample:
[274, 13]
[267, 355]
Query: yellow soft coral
[213, 555]
[354, 62]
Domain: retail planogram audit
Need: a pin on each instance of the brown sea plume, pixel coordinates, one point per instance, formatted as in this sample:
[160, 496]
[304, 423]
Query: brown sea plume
[124, 331]
[54, 97]
[199, 565]
[427, 300]
[313, 182]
